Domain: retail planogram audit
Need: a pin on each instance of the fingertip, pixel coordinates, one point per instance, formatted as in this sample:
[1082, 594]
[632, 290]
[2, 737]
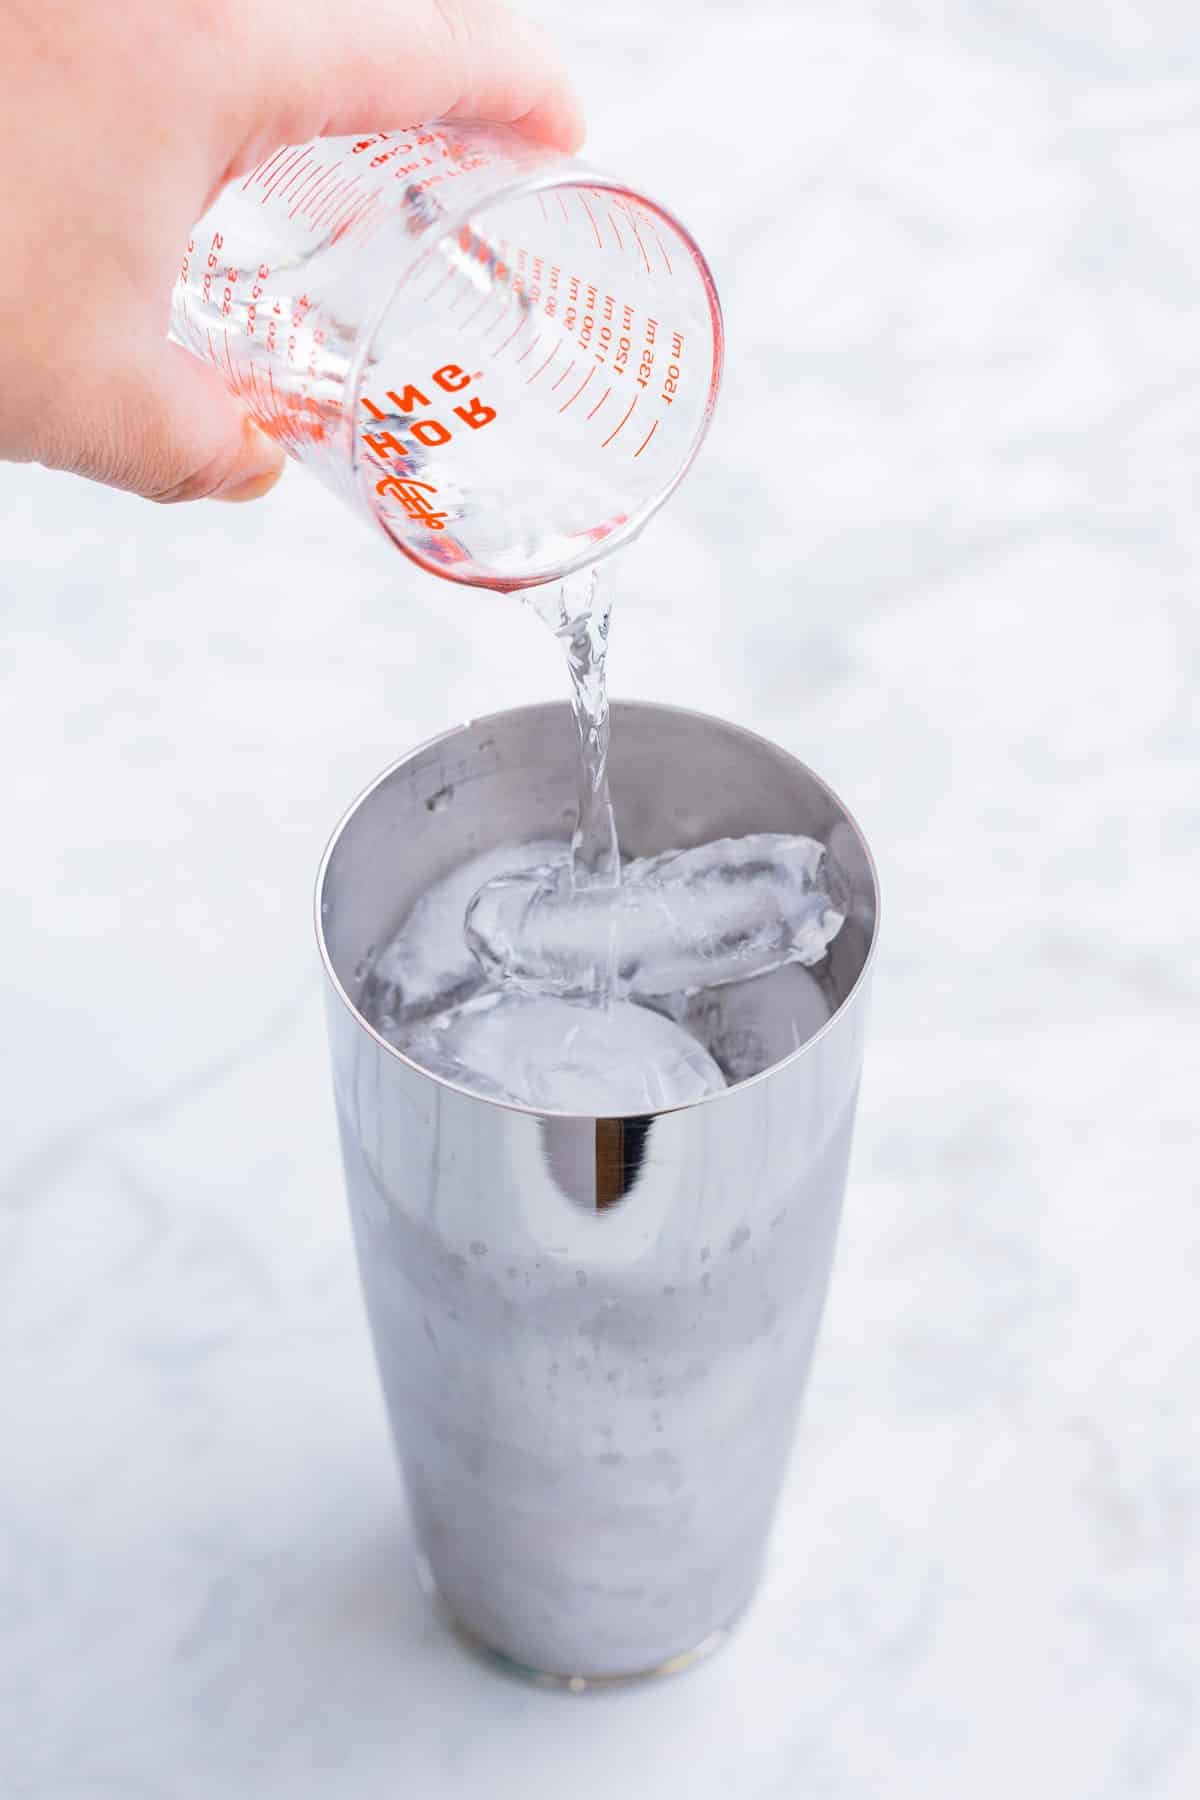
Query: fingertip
[556, 121]
[253, 487]
[529, 83]
[257, 469]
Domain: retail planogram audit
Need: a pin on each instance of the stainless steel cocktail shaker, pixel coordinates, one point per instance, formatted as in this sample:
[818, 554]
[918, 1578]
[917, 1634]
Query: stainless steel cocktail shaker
[593, 1334]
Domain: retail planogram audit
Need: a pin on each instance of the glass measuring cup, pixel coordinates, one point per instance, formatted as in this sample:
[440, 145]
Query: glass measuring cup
[503, 357]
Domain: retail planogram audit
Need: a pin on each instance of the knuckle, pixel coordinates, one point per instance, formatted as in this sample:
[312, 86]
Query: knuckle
[199, 483]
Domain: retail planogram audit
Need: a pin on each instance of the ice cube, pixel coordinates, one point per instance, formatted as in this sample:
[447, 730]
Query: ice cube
[561, 1056]
[684, 920]
[428, 966]
[747, 1025]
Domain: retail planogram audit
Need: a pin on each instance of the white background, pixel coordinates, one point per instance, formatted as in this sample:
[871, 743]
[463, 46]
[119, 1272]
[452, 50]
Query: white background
[943, 544]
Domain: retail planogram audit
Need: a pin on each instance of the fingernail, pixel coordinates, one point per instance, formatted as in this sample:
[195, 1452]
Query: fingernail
[257, 469]
[252, 488]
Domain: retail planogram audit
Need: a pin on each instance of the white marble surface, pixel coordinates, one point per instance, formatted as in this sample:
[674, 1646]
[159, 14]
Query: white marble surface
[943, 544]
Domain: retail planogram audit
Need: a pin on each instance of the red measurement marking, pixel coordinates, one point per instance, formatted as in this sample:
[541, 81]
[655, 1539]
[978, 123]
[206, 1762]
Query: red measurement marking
[616, 233]
[328, 201]
[280, 172]
[578, 390]
[512, 334]
[334, 199]
[299, 203]
[364, 206]
[448, 275]
[663, 248]
[316, 174]
[261, 170]
[600, 403]
[482, 307]
[543, 366]
[349, 219]
[346, 213]
[347, 201]
[537, 340]
[269, 186]
[465, 292]
[542, 204]
[501, 316]
[554, 386]
[363, 212]
[304, 195]
[645, 440]
[265, 168]
[566, 215]
[612, 434]
[308, 189]
[591, 215]
[310, 204]
[285, 172]
[637, 234]
[294, 177]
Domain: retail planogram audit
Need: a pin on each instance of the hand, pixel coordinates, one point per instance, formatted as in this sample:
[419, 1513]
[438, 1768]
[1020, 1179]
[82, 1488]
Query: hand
[118, 126]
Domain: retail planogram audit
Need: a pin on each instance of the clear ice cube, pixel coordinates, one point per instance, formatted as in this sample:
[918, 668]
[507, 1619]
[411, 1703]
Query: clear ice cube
[428, 966]
[682, 921]
[746, 1026]
[561, 1056]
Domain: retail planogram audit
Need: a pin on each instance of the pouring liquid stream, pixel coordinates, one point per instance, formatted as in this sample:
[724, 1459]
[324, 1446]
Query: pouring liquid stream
[578, 615]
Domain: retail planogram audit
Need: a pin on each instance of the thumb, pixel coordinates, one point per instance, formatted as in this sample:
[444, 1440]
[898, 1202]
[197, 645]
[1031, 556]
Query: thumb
[161, 424]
